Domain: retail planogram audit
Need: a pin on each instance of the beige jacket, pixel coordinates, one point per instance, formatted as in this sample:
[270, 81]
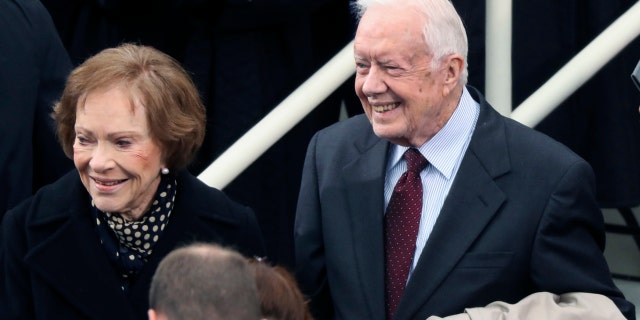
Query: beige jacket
[545, 305]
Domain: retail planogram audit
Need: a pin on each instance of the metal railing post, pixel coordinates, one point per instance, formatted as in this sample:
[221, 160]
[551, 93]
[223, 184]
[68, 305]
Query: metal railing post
[498, 42]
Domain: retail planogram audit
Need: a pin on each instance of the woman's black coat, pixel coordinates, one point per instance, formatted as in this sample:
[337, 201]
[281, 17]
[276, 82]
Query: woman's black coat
[53, 266]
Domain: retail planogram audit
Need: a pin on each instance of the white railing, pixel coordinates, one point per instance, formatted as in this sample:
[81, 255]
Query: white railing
[280, 120]
[497, 83]
[580, 69]
[333, 74]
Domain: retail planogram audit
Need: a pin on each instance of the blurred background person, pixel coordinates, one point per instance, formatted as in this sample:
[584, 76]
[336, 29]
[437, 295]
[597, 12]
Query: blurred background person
[34, 67]
[87, 245]
[280, 297]
[204, 282]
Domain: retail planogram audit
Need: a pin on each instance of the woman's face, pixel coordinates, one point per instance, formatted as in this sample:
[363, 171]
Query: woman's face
[118, 161]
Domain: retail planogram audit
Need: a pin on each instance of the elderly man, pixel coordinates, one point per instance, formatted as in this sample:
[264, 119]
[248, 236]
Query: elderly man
[432, 202]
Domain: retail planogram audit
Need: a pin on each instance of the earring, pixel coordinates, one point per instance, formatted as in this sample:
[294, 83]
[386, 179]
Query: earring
[165, 171]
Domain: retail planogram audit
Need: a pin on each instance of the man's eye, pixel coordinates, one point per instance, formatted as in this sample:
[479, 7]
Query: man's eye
[392, 67]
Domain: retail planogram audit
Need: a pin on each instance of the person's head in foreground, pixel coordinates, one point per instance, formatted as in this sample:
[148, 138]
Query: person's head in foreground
[204, 282]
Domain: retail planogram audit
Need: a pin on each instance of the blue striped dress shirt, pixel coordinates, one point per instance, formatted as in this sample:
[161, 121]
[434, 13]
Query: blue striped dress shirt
[444, 152]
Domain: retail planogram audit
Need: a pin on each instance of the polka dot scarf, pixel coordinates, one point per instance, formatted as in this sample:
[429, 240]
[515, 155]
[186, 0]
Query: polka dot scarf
[130, 243]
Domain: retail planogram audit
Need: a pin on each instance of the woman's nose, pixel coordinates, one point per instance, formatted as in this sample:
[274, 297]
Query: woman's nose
[101, 158]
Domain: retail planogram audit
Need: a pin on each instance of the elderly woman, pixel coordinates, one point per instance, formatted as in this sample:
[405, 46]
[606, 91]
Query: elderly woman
[87, 246]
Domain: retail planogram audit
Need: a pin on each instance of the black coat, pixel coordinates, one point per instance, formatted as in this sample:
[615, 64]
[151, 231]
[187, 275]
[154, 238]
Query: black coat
[33, 69]
[53, 266]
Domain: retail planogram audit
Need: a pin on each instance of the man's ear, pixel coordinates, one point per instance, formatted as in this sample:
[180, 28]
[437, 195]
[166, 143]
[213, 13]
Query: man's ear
[454, 65]
[152, 314]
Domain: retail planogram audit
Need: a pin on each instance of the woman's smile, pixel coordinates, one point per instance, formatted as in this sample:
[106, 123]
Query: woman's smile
[107, 185]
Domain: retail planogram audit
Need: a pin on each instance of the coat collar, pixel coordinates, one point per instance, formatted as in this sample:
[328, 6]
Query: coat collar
[70, 259]
[365, 178]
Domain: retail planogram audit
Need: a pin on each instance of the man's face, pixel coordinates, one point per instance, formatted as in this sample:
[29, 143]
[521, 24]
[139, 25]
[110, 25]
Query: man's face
[402, 95]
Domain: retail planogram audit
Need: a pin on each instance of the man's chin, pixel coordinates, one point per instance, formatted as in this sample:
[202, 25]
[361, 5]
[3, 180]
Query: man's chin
[392, 136]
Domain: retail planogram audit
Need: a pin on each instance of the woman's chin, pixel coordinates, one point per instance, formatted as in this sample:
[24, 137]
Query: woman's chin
[107, 206]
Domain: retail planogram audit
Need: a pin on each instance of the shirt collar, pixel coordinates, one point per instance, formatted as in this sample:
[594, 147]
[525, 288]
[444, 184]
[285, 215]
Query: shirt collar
[450, 142]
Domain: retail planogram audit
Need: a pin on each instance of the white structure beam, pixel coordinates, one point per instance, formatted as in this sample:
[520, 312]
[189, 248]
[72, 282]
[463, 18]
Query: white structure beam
[280, 120]
[498, 77]
[580, 68]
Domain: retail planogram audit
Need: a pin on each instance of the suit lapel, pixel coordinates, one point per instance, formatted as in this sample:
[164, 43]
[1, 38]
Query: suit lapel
[472, 202]
[469, 207]
[364, 178]
[73, 263]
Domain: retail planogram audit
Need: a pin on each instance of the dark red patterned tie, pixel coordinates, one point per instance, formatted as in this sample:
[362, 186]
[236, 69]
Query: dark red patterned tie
[402, 220]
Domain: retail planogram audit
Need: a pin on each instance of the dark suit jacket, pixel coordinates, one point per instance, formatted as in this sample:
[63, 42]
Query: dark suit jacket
[53, 266]
[520, 217]
[33, 68]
